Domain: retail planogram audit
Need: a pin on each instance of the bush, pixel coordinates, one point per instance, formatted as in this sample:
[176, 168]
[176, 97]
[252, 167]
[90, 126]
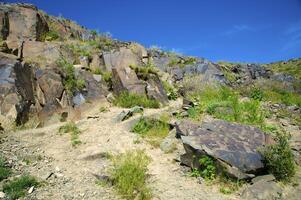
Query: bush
[256, 94]
[4, 171]
[207, 168]
[51, 36]
[279, 159]
[129, 175]
[170, 90]
[73, 130]
[128, 100]
[70, 82]
[143, 72]
[153, 130]
[18, 187]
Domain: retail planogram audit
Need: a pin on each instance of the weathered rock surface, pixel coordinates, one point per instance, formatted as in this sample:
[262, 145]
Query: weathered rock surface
[16, 88]
[233, 146]
[295, 143]
[155, 89]
[265, 188]
[21, 22]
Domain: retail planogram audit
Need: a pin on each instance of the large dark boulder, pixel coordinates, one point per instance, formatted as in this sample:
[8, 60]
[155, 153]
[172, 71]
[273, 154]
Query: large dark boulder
[233, 146]
[16, 88]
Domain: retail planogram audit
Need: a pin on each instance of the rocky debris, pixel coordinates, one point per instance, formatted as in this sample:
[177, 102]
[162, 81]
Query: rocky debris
[233, 146]
[126, 114]
[263, 188]
[181, 67]
[2, 195]
[246, 73]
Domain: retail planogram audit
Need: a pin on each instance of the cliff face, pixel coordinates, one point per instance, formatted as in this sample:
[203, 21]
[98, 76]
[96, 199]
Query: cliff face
[62, 64]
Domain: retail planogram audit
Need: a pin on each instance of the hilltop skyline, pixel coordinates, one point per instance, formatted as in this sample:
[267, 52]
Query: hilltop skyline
[235, 31]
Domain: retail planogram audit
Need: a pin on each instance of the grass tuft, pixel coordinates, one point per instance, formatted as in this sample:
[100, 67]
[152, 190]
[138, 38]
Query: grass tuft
[129, 175]
[18, 187]
[4, 171]
[128, 100]
[153, 130]
[73, 130]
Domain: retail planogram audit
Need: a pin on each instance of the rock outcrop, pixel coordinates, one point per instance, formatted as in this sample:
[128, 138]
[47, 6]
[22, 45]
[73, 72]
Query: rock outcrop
[21, 22]
[16, 88]
[233, 146]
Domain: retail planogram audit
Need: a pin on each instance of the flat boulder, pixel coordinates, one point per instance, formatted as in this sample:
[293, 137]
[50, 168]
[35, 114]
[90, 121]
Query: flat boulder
[233, 146]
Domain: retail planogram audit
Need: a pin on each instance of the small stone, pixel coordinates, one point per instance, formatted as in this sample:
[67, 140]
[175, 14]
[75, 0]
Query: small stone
[30, 190]
[2, 195]
[57, 169]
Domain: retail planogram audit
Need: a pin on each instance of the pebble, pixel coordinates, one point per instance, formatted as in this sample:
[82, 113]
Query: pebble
[2, 195]
[30, 190]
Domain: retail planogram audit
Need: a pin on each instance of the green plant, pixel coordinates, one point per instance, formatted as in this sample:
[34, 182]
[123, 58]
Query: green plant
[256, 93]
[207, 168]
[71, 83]
[170, 91]
[17, 187]
[194, 173]
[227, 184]
[51, 36]
[153, 130]
[73, 130]
[103, 109]
[4, 171]
[143, 72]
[128, 100]
[223, 103]
[129, 175]
[279, 158]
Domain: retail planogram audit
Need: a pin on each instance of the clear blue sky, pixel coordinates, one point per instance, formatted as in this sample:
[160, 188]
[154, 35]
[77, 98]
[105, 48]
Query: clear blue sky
[232, 30]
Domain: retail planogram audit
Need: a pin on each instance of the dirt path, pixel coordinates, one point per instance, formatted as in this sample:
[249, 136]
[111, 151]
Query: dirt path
[71, 171]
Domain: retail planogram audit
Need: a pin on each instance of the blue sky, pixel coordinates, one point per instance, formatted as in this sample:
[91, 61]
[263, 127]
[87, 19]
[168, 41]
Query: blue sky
[232, 30]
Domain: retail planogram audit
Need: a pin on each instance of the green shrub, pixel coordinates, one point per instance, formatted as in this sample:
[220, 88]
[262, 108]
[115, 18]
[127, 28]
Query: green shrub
[153, 130]
[51, 36]
[256, 94]
[4, 171]
[129, 175]
[223, 103]
[70, 82]
[18, 187]
[274, 91]
[279, 159]
[207, 168]
[170, 90]
[73, 130]
[128, 100]
[143, 72]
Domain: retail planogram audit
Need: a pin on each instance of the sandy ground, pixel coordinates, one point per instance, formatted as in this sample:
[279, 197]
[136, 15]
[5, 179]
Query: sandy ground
[69, 173]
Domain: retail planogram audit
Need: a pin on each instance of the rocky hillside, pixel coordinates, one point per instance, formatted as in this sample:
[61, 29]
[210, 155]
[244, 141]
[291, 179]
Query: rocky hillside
[235, 125]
